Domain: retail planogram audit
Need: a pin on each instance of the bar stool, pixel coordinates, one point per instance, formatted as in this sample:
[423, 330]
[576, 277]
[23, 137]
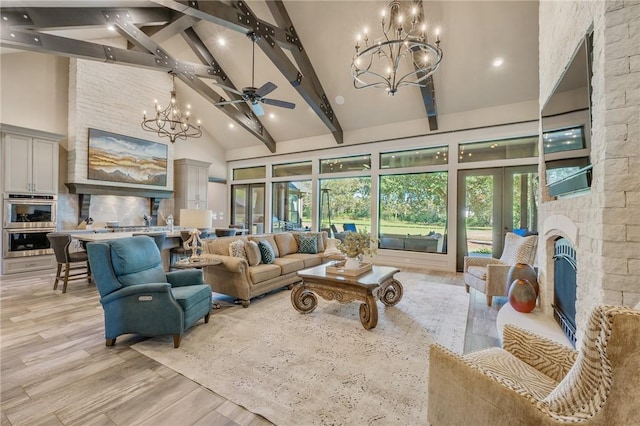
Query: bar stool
[225, 232]
[180, 250]
[71, 261]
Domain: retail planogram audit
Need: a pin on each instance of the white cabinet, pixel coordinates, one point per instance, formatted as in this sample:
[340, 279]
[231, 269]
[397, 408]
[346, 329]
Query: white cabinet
[30, 164]
[190, 186]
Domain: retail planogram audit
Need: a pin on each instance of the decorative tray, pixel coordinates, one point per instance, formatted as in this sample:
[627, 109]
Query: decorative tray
[339, 269]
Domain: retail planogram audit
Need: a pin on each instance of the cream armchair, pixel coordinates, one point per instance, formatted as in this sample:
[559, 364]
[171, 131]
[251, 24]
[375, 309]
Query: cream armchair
[534, 381]
[489, 275]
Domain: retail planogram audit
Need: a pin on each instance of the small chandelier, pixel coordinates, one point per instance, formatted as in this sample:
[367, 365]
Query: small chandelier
[170, 122]
[381, 64]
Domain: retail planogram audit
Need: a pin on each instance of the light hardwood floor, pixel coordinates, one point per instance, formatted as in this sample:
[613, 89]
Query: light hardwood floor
[56, 370]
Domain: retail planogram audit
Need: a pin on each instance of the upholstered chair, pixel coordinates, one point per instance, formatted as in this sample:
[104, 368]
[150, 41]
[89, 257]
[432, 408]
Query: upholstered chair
[139, 297]
[72, 265]
[489, 275]
[535, 381]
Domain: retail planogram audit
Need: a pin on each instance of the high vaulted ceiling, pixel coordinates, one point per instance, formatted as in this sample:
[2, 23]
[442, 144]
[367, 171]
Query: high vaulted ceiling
[473, 34]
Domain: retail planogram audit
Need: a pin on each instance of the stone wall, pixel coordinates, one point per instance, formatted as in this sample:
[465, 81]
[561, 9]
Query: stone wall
[604, 224]
[111, 98]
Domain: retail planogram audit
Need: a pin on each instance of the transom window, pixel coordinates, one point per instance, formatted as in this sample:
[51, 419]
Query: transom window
[415, 157]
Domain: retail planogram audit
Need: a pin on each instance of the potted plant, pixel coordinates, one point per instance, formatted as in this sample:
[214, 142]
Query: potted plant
[355, 246]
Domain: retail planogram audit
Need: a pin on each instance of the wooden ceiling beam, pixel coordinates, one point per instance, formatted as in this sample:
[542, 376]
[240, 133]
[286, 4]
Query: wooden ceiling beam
[186, 73]
[20, 30]
[239, 17]
[55, 18]
[428, 91]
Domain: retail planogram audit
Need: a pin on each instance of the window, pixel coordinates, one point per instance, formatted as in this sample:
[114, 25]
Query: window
[415, 157]
[345, 201]
[563, 140]
[250, 173]
[346, 164]
[502, 149]
[291, 169]
[291, 208]
[413, 212]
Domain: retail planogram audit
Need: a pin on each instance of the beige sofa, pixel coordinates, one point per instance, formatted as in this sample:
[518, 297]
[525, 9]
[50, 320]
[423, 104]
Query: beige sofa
[236, 277]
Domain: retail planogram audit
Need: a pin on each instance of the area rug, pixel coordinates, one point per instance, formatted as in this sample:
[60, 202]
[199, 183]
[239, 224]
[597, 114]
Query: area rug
[323, 368]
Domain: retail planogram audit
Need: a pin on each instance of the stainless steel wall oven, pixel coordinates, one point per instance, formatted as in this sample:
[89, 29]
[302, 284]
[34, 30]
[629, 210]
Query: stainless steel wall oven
[29, 211]
[26, 242]
[27, 219]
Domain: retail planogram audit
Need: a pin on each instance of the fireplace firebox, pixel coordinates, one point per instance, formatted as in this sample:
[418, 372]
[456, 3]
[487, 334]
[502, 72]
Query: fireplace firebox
[564, 278]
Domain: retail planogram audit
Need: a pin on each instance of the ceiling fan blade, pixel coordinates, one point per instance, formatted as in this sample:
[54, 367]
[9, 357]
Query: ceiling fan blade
[237, 101]
[257, 109]
[265, 89]
[279, 103]
[228, 89]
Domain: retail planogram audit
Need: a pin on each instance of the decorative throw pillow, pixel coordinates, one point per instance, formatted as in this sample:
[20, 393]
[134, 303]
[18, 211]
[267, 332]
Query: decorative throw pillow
[519, 249]
[319, 238]
[254, 257]
[236, 249]
[268, 238]
[266, 251]
[308, 244]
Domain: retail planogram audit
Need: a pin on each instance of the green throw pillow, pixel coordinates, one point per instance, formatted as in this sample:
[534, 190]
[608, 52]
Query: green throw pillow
[308, 244]
[266, 251]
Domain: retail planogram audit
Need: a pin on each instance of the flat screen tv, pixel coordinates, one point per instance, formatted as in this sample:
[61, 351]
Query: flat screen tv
[566, 126]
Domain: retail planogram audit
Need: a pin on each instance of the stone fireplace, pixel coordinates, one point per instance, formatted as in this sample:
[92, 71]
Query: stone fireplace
[602, 224]
[564, 287]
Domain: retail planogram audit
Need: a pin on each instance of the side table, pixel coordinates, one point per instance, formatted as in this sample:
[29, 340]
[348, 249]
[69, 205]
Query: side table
[199, 264]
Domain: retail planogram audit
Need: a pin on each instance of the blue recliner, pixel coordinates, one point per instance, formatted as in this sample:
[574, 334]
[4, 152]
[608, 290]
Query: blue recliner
[139, 297]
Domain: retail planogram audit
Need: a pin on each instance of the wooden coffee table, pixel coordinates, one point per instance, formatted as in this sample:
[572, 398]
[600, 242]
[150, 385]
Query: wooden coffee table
[377, 284]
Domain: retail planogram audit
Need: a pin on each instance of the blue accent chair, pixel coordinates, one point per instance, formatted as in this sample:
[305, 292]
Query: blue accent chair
[349, 227]
[139, 297]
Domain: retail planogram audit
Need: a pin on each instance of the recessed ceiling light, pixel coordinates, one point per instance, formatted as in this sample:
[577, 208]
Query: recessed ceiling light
[340, 100]
[497, 62]
[111, 28]
[222, 41]
[272, 115]
[232, 126]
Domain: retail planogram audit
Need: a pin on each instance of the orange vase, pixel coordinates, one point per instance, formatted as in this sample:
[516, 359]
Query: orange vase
[522, 295]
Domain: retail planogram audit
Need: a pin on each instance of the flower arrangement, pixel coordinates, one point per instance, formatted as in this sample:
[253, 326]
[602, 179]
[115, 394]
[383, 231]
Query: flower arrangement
[357, 244]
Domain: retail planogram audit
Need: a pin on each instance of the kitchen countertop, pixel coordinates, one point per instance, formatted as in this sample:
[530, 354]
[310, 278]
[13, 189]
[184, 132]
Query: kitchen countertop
[103, 236]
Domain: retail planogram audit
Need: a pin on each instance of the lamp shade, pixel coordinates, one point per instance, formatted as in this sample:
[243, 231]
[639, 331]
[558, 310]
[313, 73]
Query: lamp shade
[190, 218]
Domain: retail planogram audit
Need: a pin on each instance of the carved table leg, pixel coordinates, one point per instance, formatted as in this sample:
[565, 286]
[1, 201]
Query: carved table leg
[390, 292]
[303, 300]
[369, 313]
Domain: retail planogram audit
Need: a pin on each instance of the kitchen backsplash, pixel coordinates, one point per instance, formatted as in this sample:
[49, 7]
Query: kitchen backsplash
[128, 211]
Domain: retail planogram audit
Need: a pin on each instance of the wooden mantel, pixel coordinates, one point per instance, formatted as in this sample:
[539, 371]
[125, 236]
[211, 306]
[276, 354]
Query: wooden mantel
[91, 189]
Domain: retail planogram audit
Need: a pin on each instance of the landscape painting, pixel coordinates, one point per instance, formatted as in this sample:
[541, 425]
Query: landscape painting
[118, 158]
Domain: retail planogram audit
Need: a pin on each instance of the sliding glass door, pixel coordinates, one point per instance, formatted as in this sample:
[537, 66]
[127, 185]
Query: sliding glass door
[247, 207]
[492, 202]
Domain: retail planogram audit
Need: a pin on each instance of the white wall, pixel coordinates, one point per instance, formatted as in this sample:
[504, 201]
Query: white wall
[34, 91]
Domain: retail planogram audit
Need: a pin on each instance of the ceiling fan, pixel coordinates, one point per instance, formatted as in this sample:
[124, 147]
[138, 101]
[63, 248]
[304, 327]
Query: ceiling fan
[255, 96]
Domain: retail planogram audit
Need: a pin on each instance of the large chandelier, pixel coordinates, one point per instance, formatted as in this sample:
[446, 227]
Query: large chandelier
[170, 122]
[381, 64]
